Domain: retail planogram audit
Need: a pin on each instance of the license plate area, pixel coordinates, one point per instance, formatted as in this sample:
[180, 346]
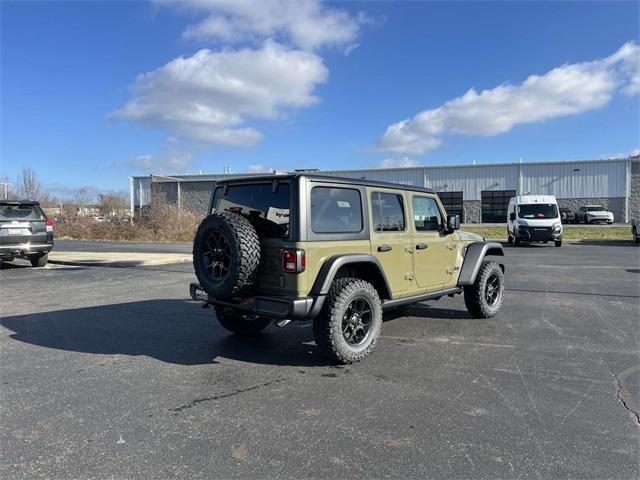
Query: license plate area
[18, 231]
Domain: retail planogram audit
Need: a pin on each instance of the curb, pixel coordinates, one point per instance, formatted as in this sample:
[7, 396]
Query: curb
[119, 264]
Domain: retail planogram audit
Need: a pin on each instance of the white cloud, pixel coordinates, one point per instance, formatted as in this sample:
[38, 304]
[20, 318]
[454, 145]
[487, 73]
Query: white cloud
[566, 90]
[258, 169]
[208, 97]
[307, 24]
[170, 162]
[403, 162]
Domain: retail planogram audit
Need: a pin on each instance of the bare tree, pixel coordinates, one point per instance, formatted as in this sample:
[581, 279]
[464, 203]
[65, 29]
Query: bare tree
[28, 185]
[112, 203]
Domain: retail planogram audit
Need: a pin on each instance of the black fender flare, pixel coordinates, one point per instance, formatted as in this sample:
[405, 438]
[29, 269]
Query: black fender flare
[331, 266]
[473, 258]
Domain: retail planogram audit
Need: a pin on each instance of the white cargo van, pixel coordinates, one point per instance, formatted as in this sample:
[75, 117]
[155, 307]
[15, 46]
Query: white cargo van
[534, 218]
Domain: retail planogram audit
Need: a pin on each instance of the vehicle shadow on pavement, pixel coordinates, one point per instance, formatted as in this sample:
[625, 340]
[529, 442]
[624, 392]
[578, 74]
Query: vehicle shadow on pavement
[172, 331]
[179, 332]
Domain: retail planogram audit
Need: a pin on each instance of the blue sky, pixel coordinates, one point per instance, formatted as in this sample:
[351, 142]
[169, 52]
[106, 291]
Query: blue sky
[315, 84]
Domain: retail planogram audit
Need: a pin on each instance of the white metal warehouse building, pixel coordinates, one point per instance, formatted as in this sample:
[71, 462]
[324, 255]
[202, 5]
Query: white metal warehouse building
[478, 193]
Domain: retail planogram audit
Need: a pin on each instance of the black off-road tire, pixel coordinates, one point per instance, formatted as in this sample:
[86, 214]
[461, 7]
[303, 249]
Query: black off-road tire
[516, 242]
[509, 238]
[558, 243]
[243, 255]
[241, 324]
[39, 260]
[475, 297]
[327, 326]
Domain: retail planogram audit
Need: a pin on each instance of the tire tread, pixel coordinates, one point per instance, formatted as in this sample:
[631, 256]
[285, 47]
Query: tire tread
[324, 325]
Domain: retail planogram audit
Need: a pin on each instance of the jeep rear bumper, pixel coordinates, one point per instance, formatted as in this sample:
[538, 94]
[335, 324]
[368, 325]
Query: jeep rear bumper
[270, 307]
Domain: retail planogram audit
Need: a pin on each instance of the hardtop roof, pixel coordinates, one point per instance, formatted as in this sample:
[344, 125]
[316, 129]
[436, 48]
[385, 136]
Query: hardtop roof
[327, 179]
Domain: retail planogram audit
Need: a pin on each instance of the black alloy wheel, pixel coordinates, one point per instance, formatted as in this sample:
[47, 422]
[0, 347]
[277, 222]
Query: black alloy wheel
[356, 321]
[218, 256]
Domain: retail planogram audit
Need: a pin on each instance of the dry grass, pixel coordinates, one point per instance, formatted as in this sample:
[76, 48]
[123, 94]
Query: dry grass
[162, 224]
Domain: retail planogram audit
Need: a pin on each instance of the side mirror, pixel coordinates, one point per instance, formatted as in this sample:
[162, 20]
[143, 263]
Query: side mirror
[512, 216]
[453, 222]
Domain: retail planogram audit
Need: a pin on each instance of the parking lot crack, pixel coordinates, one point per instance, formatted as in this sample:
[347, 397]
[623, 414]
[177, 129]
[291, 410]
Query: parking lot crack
[210, 398]
[622, 395]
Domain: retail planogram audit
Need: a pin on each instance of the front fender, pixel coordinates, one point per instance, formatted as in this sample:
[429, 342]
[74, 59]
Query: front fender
[473, 258]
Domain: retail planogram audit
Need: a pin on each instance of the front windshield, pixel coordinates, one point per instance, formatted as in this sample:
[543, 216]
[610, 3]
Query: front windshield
[538, 210]
[265, 205]
[595, 208]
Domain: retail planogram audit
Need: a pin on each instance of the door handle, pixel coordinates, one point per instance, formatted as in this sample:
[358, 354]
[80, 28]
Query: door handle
[384, 248]
[421, 246]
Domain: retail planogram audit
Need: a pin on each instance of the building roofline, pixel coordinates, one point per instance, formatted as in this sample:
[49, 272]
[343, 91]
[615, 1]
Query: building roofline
[204, 177]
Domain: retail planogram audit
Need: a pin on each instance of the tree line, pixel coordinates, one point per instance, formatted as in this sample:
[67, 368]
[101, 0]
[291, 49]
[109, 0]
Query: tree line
[29, 187]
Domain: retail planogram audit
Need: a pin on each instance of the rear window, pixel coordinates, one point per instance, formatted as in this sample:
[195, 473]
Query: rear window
[335, 210]
[20, 212]
[538, 210]
[266, 207]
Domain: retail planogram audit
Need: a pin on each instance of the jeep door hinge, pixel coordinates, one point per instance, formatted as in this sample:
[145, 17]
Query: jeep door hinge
[409, 276]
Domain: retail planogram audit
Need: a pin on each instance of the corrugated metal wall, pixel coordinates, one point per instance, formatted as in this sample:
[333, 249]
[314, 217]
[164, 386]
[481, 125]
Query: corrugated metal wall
[472, 180]
[404, 176]
[588, 179]
[576, 180]
[141, 191]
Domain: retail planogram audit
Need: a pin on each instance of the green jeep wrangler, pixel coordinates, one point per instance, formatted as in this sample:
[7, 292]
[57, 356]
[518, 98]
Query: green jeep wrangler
[337, 251]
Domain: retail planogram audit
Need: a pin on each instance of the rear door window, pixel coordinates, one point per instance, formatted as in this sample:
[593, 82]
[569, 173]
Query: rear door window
[24, 213]
[388, 212]
[335, 210]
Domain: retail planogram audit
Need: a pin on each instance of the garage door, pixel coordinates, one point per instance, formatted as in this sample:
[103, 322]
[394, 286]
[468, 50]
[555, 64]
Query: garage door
[452, 202]
[494, 205]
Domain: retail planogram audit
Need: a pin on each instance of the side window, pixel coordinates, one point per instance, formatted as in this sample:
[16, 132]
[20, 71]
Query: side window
[388, 212]
[426, 214]
[335, 210]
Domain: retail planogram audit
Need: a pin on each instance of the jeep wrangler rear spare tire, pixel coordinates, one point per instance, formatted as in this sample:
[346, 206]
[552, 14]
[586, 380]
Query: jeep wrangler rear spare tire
[226, 255]
[348, 327]
[484, 298]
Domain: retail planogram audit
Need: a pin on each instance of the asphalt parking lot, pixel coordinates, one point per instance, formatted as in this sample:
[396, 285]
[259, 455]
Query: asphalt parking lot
[115, 373]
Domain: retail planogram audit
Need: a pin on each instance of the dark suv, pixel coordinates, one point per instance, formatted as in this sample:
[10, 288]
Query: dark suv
[25, 232]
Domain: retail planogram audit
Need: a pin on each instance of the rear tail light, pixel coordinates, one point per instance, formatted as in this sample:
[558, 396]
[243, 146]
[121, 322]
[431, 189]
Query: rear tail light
[49, 225]
[292, 261]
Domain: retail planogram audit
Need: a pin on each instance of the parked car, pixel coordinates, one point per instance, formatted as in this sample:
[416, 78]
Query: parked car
[593, 214]
[567, 215]
[534, 218]
[635, 229]
[337, 251]
[25, 232]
